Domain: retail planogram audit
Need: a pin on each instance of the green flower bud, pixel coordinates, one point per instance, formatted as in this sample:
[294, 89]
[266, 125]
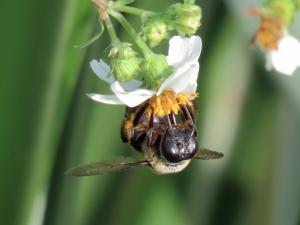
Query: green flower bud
[155, 70]
[122, 50]
[283, 9]
[125, 69]
[188, 18]
[155, 31]
[124, 63]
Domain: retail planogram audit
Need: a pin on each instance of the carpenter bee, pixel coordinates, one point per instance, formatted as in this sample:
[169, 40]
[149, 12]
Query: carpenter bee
[163, 129]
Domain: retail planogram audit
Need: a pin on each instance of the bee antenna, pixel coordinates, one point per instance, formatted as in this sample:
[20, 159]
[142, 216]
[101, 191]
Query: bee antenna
[170, 126]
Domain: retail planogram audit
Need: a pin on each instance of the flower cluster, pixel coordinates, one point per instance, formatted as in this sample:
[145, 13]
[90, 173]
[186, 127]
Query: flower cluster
[182, 18]
[182, 56]
[282, 50]
[134, 77]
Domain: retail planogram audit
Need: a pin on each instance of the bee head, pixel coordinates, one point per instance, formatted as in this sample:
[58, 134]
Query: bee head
[178, 144]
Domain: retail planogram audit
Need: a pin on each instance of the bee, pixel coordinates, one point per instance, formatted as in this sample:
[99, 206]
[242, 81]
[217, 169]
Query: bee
[162, 129]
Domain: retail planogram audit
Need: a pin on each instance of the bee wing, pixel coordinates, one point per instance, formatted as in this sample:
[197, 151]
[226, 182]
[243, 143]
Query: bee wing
[206, 154]
[102, 167]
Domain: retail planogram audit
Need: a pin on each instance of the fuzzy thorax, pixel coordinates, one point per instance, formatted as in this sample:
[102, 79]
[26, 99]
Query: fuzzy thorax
[169, 102]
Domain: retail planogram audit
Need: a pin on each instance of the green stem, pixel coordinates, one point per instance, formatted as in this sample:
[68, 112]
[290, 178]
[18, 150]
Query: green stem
[112, 33]
[134, 11]
[127, 26]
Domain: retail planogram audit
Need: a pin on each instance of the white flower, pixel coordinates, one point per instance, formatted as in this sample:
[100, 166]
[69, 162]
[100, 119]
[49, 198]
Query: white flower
[182, 56]
[286, 58]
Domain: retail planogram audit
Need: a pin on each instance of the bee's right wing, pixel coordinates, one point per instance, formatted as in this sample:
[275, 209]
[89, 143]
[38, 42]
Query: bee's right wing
[206, 154]
[102, 167]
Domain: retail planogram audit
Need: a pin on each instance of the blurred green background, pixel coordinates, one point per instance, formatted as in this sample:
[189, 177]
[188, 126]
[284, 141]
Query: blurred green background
[48, 125]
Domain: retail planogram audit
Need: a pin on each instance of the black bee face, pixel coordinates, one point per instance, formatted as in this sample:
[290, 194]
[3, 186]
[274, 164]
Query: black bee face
[178, 144]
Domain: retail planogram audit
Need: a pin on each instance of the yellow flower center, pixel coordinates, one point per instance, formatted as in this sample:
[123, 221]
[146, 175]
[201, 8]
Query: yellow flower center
[169, 102]
[269, 33]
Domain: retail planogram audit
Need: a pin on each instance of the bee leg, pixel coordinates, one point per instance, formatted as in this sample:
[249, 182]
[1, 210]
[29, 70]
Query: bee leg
[139, 135]
[149, 139]
[172, 119]
[189, 117]
[153, 133]
[141, 123]
[170, 122]
[132, 117]
[187, 114]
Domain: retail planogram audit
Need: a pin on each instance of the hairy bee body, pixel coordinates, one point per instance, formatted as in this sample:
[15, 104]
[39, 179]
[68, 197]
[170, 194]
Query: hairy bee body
[166, 137]
[154, 135]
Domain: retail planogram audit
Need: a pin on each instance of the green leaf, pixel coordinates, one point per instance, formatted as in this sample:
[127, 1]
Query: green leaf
[125, 2]
[93, 39]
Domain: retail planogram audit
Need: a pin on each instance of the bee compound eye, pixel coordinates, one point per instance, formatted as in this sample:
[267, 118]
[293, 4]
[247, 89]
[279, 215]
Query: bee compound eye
[191, 147]
[178, 145]
[169, 149]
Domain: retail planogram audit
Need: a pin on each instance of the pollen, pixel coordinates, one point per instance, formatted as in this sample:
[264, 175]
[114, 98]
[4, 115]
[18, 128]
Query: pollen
[269, 33]
[169, 102]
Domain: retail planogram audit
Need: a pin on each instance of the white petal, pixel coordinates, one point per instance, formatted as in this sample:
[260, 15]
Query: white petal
[131, 98]
[182, 80]
[184, 50]
[107, 99]
[286, 58]
[191, 88]
[101, 69]
[131, 85]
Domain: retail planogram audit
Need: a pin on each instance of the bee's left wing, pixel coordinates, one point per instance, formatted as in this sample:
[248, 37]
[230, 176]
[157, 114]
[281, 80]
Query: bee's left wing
[206, 154]
[102, 167]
